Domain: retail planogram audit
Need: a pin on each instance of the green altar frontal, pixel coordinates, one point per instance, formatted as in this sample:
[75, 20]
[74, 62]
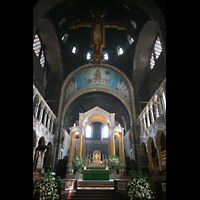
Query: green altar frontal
[96, 173]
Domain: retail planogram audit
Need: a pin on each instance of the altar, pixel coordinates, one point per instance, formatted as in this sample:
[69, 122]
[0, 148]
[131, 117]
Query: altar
[96, 173]
[96, 168]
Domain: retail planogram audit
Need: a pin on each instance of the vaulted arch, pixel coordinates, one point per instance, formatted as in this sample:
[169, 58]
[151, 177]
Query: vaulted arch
[52, 74]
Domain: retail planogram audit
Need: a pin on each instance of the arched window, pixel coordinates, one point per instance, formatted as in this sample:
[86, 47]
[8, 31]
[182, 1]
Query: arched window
[88, 132]
[130, 39]
[156, 51]
[37, 48]
[105, 56]
[105, 132]
[119, 50]
[65, 37]
[75, 49]
[89, 55]
[133, 24]
[36, 45]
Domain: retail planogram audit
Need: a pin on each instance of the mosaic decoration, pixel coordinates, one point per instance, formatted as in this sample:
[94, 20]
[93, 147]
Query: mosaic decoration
[97, 76]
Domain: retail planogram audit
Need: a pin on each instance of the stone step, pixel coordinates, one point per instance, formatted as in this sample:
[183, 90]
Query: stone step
[95, 194]
[83, 183]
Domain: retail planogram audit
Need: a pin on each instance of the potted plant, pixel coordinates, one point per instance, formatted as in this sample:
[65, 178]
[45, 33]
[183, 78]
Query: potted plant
[114, 162]
[48, 186]
[138, 187]
[77, 164]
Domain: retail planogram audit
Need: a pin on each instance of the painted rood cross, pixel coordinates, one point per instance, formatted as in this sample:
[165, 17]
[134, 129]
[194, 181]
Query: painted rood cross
[98, 33]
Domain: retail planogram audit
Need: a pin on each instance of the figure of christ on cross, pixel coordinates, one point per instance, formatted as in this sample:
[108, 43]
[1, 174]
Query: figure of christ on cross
[98, 36]
[96, 156]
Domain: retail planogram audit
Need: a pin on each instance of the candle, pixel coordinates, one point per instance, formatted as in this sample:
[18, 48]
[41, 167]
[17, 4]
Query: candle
[105, 157]
[90, 156]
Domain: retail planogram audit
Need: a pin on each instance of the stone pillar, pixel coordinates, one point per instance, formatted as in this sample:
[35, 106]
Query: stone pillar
[110, 145]
[36, 110]
[48, 122]
[112, 140]
[83, 144]
[41, 114]
[151, 115]
[141, 126]
[144, 122]
[71, 148]
[148, 121]
[80, 145]
[158, 148]
[156, 110]
[45, 117]
[150, 161]
[122, 148]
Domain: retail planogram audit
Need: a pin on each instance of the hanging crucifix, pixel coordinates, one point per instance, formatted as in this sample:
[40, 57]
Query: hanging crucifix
[98, 33]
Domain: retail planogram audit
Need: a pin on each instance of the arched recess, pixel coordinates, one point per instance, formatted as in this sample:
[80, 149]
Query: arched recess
[53, 71]
[88, 91]
[143, 149]
[41, 141]
[128, 103]
[149, 144]
[160, 140]
[48, 157]
[143, 50]
[141, 60]
[96, 118]
[153, 152]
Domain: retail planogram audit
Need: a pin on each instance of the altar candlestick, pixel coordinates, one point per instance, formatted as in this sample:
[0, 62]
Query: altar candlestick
[90, 156]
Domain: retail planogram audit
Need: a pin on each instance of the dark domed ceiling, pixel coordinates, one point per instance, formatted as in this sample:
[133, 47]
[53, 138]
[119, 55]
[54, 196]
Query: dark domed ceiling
[62, 14]
[58, 41]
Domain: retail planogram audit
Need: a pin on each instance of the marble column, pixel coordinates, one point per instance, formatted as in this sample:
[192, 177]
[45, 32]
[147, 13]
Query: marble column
[144, 122]
[80, 145]
[71, 148]
[122, 148]
[158, 148]
[36, 109]
[112, 132]
[151, 115]
[45, 118]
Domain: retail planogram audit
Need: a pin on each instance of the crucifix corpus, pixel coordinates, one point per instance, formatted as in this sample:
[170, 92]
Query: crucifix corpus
[97, 39]
[96, 156]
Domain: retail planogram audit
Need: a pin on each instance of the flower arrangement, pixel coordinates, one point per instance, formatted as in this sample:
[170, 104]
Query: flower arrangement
[77, 163]
[48, 186]
[138, 187]
[114, 162]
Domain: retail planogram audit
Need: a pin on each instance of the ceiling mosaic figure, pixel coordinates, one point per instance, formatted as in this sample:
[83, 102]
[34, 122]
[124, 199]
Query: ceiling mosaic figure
[97, 76]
